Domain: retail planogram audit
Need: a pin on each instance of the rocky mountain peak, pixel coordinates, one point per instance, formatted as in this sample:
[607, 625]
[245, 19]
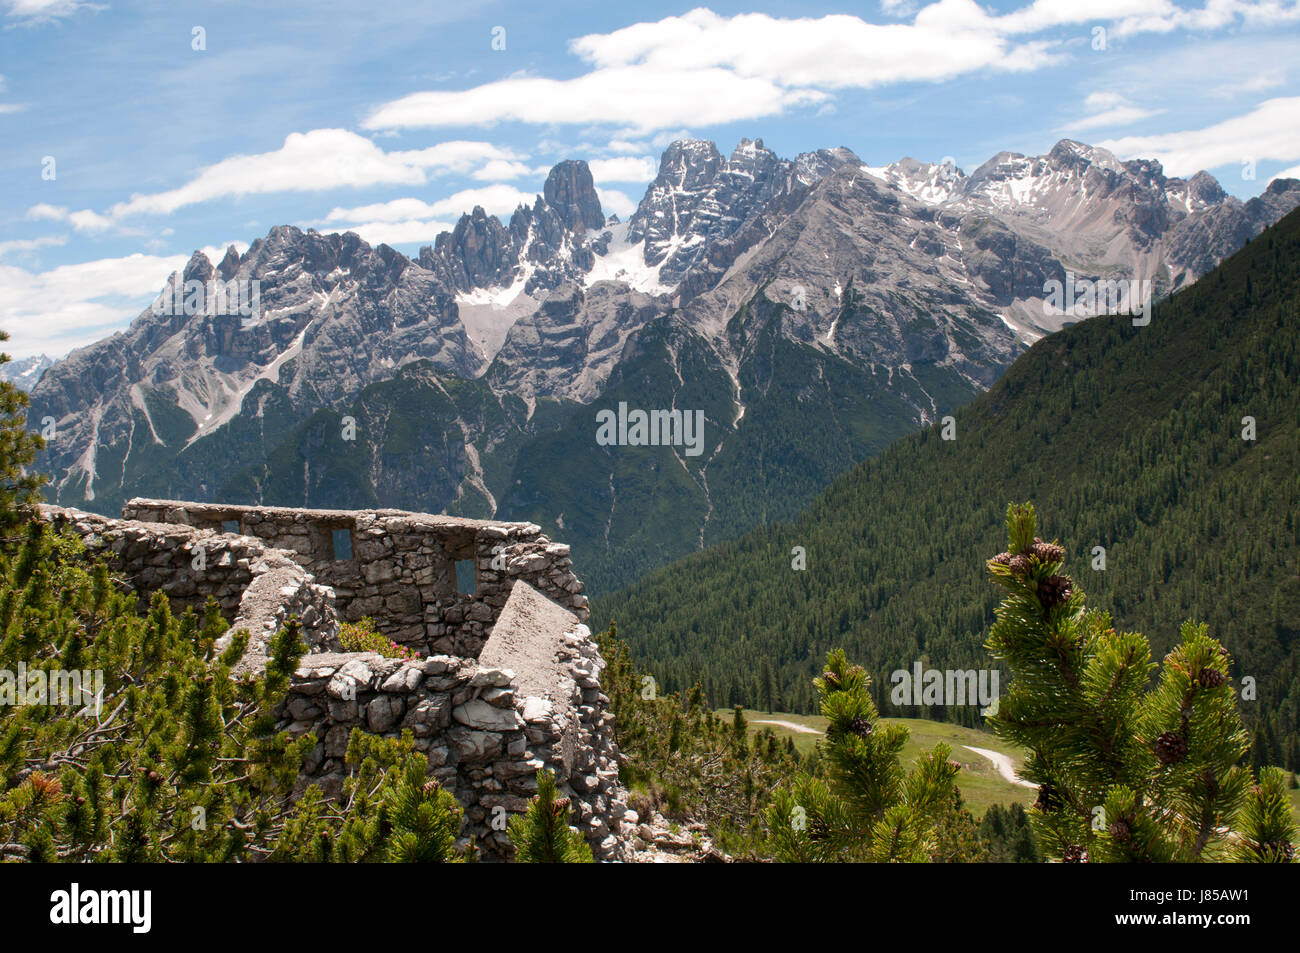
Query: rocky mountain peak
[570, 191]
[198, 268]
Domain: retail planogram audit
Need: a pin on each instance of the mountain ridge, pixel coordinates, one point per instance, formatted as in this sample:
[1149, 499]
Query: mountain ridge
[788, 286]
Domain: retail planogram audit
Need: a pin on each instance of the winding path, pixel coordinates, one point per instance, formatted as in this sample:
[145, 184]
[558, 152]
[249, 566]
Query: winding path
[793, 726]
[1004, 765]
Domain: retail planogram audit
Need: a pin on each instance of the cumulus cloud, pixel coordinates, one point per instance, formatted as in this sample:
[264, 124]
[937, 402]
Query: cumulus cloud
[704, 68]
[411, 220]
[495, 199]
[24, 245]
[33, 12]
[644, 99]
[1107, 110]
[407, 232]
[624, 169]
[1271, 131]
[84, 220]
[315, 161]
[54, 311]
[619, 203]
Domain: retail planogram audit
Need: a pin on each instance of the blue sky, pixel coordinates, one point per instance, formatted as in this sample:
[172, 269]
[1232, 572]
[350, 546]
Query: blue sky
[391, 119]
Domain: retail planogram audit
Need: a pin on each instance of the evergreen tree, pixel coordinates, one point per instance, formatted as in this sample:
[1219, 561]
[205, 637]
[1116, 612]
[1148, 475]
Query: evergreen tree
[171, 758]
[19, 490]
[1125, 772]
[866, 807]
[542, 835]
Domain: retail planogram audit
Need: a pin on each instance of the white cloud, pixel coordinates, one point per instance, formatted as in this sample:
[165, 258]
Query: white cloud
[21, 245]
[703, 68]
[1269, 132]
[32, 12]
[495, 199]
[316, 161]
[624, 169]
[619, 203]
[646, 99]
[56, 310]
[407, 221]
[499, 169]
[1109, 109]
[1291, 173]
[408, 232]
[84, 220]
[623, 147]
[1255, 83]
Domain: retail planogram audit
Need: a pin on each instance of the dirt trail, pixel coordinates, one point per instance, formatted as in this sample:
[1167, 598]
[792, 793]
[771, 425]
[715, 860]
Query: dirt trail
[1004, 765]
[793, 726]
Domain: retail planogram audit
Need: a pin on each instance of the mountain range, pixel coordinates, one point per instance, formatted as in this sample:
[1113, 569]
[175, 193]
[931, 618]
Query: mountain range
[1163, 457]
[24, 372]
[813, 309]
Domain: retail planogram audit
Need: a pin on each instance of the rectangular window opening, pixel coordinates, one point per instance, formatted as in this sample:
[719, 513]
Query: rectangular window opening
[230, 526]
[466, 584]
[342, 540]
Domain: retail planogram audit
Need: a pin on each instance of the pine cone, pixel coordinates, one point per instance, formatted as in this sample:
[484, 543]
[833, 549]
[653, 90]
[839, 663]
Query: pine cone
[831, 679]
[1120, 831]
[1280, 848]
[1171, 748]
[1074, 854]
[1049, 799]
[1019, 565]
[560, 805]
[817, 829]
[1002, 559]
[431, 787]
[1211, 678]
[860, 727]
[1054, 590]
[1046, 552]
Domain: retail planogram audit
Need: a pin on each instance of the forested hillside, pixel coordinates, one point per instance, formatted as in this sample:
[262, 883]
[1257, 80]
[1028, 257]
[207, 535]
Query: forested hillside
[1128, 438]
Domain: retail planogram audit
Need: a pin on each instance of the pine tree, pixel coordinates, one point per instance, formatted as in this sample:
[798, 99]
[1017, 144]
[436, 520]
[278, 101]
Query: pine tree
[866, 808]
[1125, 772]
[542, 835]
[19, 490]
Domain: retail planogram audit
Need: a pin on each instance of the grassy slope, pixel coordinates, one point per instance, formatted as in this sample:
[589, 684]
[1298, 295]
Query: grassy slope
[980, 783]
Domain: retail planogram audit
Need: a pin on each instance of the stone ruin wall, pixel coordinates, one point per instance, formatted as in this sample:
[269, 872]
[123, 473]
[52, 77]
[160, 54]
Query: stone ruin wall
[508, 677]
[402, 568]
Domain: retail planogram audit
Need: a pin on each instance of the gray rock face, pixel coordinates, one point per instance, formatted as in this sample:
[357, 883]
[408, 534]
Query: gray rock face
[570, 191]
[545, 244]
[701, 211]
[24, 372]
[334, 315]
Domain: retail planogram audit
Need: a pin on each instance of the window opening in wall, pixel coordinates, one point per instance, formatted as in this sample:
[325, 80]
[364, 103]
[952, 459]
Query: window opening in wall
[342, 540]
[230, 526]
[466, 584]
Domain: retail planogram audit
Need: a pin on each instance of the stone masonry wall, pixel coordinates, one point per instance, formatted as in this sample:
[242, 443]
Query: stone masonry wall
[485, 728]
[508, 678]
[401, 568]
[257, 586]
